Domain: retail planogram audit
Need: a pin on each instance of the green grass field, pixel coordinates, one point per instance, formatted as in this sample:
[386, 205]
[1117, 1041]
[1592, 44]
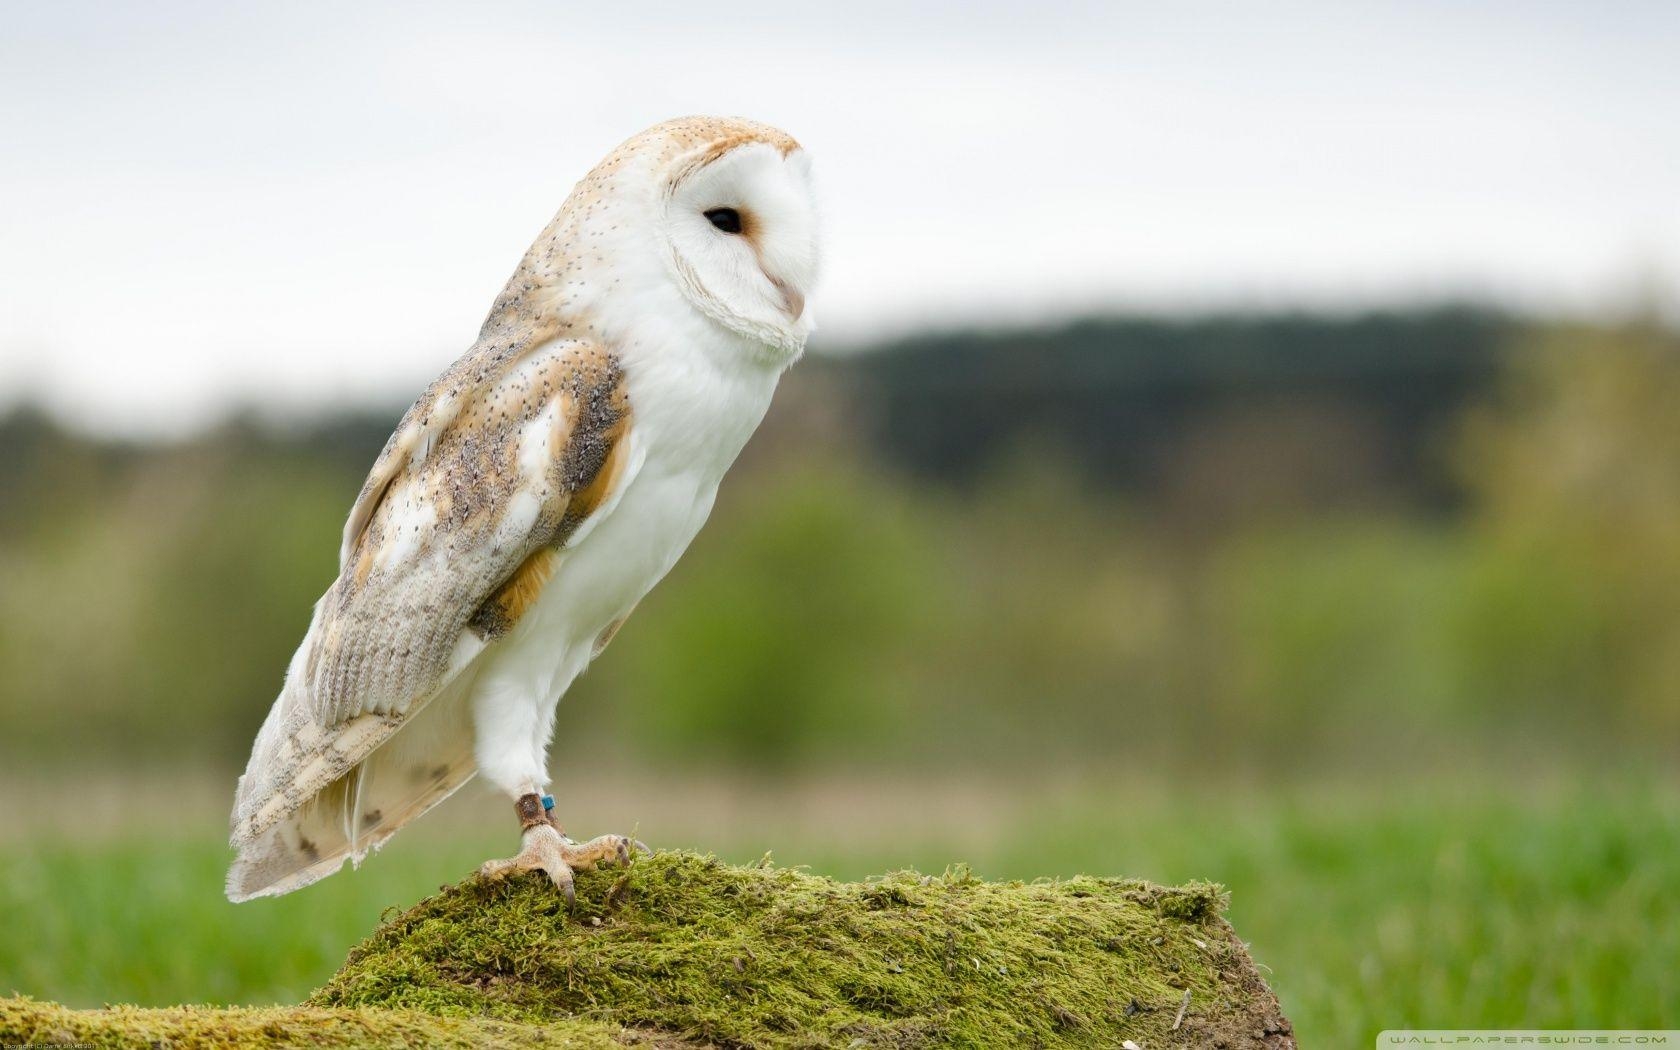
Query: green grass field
[1430, 906]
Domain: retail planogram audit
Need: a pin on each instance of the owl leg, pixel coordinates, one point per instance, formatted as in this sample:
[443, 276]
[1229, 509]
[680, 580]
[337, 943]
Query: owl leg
[547, 849]
[513, 734]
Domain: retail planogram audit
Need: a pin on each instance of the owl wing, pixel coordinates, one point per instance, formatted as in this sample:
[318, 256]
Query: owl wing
[462, 521]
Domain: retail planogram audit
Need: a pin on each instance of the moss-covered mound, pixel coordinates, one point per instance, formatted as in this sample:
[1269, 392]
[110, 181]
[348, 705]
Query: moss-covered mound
[691, 948]
[683, 951]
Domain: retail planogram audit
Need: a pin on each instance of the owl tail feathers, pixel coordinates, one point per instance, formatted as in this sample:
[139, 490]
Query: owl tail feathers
[283, 859]
[313, 798]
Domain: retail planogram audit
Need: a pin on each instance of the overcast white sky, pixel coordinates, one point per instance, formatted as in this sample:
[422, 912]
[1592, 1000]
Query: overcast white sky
[307, 204]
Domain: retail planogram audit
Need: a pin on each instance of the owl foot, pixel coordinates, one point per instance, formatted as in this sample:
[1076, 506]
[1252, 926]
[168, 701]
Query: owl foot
[545, 848]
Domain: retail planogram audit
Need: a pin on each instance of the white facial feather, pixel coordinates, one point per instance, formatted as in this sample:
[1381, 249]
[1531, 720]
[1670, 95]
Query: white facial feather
[752, 282]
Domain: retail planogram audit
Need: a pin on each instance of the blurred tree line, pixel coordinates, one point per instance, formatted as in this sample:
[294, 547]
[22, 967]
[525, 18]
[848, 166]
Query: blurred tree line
[1264, 543]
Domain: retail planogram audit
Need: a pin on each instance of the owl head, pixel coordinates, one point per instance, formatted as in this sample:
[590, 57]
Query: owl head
[712, 216]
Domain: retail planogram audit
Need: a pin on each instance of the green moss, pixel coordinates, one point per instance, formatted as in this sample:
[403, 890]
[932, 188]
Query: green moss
[688, 946]
[25, 1021]
[683, 950]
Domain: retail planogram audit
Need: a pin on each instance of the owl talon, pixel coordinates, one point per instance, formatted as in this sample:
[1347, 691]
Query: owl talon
[543, 850]
[605, 849]
[547, 850]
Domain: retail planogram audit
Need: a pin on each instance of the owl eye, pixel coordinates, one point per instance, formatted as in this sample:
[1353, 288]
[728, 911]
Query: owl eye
[726, 219]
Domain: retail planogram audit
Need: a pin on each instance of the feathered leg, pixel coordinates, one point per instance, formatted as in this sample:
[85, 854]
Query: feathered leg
[513, 734]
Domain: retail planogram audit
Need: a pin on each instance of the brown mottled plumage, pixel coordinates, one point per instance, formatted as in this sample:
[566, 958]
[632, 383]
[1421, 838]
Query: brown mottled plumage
[468, 477]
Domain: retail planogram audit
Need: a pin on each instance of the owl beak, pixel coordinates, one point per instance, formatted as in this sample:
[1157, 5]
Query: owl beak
[793, 300]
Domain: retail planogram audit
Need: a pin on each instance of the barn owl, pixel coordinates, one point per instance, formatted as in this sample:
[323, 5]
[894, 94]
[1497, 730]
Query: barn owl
[530, 498]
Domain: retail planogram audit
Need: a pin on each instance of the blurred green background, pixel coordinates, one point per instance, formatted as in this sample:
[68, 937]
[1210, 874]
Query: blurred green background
[1374, 619]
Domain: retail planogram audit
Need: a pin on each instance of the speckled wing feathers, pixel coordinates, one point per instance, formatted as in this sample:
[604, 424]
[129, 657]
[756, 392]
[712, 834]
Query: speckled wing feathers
[496, 485]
